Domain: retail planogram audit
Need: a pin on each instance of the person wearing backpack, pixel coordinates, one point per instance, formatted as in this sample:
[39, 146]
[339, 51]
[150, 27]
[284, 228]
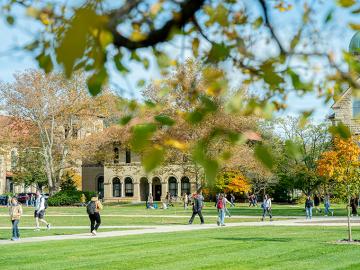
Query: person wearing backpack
[198, 204]
[15, 213]
[266, 206]
[221, 211]
[39, 213]
[93, 209]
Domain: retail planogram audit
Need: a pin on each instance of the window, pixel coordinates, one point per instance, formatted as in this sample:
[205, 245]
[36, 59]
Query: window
[129, 187]
[13, 159]
[116, 187]
[356, 107]
[127, 156]
[116, 155]
[173, 186]
[100, 186]
[185, 185]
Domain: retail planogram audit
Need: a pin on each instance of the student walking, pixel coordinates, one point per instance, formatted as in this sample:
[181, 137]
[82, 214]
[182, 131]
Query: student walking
[15, 212]
[221, 211]
[354, 205]
[225, 202]
[317, 203]
[150, 201]
[308, 207]
[93, 210]
[266, 206]
[198, 204]
[185, 200]
[39, 213]
[232, 200]
[327, 205]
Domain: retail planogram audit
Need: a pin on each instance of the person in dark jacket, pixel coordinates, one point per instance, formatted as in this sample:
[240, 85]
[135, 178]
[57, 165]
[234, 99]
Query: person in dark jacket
[354, 204]
[308, 207]
[198, 204]
[317, 203]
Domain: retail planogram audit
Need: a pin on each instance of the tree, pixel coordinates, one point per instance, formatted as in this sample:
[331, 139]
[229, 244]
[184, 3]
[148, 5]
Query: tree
[222, 33]
[57, 108]
[30, 168]
[233, 182]
[341, 164]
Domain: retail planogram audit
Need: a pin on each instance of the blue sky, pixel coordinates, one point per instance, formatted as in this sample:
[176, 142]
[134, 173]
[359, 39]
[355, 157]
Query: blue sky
[13, 60]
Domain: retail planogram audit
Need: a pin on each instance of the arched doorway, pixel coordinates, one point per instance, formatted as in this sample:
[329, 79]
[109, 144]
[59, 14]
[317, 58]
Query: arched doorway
[185, 185]
[144, 188]
[100, 186]
[129, 187]
[156, 188]
[173, 187]
[116, 187]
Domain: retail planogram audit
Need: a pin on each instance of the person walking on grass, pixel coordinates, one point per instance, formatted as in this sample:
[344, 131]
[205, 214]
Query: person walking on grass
[232, 200]
[221, 210]
[354, 204]
[15, 212]
[308, 207]
[327, 206]
[266, 206]
[93, 210]
[198, 204]
[185, 200]
[225, 202]
[317, 203]
[40, 207]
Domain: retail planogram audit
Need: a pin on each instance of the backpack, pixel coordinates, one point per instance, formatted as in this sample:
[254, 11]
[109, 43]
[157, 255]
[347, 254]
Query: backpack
[220, 204]
[90, 208]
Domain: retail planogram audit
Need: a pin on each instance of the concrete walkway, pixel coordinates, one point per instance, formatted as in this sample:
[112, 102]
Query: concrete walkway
[140, 230]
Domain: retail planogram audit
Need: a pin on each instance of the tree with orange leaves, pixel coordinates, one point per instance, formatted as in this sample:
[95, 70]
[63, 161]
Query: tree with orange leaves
[341, 165]
[233, 181]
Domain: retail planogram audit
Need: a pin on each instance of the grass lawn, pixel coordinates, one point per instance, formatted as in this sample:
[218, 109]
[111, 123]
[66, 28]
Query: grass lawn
[222, 248]
[24, 233]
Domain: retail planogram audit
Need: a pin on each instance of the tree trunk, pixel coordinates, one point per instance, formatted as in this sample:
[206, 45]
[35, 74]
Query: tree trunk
[348, 218]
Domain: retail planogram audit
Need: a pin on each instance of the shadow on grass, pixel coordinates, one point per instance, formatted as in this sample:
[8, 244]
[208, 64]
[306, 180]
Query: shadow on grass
[257, 239]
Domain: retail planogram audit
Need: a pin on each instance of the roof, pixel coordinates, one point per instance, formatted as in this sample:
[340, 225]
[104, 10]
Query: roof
[354, 46]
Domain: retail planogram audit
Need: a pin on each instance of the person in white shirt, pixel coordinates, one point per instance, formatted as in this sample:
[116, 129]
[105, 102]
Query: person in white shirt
[266, 206]
[40, 211]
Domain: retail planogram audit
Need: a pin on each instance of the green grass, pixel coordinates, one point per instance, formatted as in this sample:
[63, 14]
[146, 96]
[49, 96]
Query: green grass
[25, 233]
[221, 248]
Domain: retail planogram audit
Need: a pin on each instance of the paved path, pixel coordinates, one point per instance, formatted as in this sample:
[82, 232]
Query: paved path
[140, 230]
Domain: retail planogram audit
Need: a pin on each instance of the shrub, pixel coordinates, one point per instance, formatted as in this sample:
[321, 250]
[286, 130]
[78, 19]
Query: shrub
[69, 197]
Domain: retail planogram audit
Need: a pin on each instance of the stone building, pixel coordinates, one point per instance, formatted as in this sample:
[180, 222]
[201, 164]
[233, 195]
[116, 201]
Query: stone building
[347, 108]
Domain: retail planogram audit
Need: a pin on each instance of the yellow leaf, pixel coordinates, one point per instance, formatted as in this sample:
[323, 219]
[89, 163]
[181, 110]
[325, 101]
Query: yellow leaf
[176, 144]
[155, 8]
[105, 38]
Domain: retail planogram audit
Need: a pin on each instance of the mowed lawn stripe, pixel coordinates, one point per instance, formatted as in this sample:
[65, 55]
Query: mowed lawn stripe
[225, 248]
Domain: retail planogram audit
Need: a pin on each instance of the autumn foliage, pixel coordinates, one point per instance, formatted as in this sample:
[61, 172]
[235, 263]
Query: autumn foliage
[233, 182]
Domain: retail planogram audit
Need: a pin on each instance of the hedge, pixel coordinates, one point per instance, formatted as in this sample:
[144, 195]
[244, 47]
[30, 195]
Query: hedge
[63, 198]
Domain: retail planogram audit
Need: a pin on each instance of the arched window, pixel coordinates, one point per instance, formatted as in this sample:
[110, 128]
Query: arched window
[185, 185]
[100, 186]
[116, 187]
[116, 155]
[129, 187]
[173, 186]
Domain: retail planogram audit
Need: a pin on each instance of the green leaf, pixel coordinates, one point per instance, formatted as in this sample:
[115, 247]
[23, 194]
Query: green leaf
[119, 66]
[45, 62]
[73, 43]
[164, 120]
[195, 117]
[152, 158]
[341, 130]
[195, 46]
[329, 16]
[263, 154]
[292, 149]
[219, 52]
[96, 81]
[141, 83]
[125, 120]
[141, 135]
[10, 20]
[346, 3]
[258, 22]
